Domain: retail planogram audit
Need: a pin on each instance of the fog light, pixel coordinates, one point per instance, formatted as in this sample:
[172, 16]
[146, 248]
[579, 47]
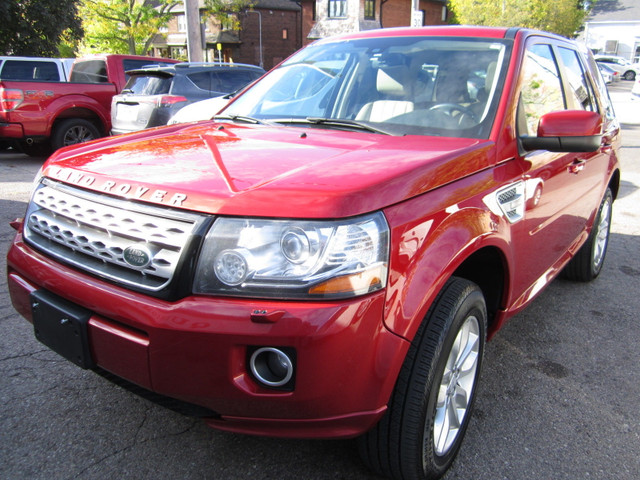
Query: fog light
[271, 366]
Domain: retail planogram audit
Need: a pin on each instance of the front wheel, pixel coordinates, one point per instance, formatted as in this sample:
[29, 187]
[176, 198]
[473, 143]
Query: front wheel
[587, 262]
[430, 408]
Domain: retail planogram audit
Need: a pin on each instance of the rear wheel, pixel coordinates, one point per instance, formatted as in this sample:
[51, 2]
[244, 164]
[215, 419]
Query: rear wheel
[72, 131]
[630, 75]
[430, 409]
[587, 262]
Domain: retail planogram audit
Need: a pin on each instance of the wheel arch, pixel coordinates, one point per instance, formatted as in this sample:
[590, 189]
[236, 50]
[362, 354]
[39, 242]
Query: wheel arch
[80, 112]
[614, 183]
[487, 268]
[470, 243]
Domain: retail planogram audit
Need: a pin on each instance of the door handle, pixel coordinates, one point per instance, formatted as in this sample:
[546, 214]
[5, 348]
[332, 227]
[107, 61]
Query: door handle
[577, 166]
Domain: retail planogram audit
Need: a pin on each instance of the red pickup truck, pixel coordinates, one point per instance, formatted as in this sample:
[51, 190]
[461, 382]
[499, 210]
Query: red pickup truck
[328, 256]
[41, 116]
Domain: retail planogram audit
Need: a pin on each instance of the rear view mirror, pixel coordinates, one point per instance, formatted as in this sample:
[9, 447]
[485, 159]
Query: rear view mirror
[566, 131]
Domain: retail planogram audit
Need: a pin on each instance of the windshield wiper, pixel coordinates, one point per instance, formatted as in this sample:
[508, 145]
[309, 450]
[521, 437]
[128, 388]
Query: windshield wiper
[334, 122]
[343, 122]
[242, 118]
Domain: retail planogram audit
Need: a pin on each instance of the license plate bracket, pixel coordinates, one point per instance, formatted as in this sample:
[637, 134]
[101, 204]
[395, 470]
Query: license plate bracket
[62, 326]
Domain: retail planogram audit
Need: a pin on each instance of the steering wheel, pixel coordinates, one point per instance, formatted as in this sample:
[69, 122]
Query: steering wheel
[451, 108]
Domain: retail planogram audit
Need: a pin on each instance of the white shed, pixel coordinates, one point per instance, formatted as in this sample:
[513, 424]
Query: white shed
[613, 28]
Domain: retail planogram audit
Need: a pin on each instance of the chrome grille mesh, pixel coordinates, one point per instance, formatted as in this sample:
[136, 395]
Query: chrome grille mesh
[93, 231]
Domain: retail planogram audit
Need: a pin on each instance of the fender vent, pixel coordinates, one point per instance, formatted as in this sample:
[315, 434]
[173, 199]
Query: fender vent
[511, 201]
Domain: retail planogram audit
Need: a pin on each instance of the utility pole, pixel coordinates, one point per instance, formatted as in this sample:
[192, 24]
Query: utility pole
[194, 33]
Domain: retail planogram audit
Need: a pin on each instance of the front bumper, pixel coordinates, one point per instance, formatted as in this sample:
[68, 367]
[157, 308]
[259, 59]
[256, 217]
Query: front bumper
[196, 350]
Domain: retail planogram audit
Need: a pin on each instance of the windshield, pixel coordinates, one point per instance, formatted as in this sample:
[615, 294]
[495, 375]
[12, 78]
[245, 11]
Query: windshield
[398, 85]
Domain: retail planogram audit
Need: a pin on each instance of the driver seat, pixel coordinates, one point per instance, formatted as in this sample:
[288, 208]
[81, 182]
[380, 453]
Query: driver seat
[392, 85]
[452, 88]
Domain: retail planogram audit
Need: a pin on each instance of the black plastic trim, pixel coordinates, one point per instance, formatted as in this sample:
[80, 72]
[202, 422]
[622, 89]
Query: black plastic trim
[178, 406]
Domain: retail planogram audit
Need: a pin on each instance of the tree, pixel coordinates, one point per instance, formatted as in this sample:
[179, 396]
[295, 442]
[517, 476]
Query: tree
[34, 27]
[123, 26]
[224, 11]
[564, 17]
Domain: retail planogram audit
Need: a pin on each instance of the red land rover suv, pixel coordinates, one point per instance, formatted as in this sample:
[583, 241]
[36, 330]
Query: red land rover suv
[327, 257]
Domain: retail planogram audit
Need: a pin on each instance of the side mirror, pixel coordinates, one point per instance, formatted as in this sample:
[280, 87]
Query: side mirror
[566, 131]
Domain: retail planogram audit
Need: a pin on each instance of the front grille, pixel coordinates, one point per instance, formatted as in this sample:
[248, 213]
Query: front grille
[103, 235]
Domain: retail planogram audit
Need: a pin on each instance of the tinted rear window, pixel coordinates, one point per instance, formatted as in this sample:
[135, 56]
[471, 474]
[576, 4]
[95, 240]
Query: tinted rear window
[149, 84]
[30, 70]
[223, 81]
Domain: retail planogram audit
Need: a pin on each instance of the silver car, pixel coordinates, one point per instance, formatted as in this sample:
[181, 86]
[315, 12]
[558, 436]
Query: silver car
[154, 94]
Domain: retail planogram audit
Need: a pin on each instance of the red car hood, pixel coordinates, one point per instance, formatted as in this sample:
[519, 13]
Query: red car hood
[267, 171]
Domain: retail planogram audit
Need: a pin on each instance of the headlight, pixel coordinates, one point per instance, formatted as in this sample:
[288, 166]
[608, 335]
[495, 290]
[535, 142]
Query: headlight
[294, 258]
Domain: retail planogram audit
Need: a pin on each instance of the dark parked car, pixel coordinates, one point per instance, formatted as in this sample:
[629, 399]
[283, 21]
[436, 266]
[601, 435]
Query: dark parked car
[153, 94]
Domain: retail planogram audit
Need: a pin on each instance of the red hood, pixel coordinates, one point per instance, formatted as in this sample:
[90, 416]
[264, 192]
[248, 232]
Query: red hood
[264, 171]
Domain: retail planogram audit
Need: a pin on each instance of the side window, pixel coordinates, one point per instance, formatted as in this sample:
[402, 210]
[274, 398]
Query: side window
[90, 71]
[581, 97]
[207, 81]
[230, 80]
[605, 100]
[541, 88]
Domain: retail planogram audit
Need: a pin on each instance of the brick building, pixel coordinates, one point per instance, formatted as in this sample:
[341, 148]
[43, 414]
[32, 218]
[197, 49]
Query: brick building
[281, 35]
[323, 18]
[274, 29]
[271, 27]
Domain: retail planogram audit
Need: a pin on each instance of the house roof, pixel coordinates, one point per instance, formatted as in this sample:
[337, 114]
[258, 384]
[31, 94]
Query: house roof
[615, 11]
[276, 5]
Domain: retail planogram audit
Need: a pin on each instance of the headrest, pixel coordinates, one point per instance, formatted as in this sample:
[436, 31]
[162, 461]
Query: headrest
[491, 73]
[393, 80]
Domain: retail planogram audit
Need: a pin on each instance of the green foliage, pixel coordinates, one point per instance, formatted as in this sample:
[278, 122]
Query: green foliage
[123, 26]
[34, 27]
[224, 11]
[564, 17]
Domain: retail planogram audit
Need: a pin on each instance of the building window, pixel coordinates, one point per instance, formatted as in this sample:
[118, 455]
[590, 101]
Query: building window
[369, 9]
[182, 23]
[285, 33]
[228, 22]
[337, 8]
[313, 10]
[444, 13]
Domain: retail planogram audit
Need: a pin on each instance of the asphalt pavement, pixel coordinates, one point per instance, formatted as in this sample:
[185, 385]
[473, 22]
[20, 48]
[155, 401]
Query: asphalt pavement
[558, 397]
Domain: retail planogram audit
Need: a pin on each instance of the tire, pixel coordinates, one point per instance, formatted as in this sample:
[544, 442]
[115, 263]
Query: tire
[587, 262]
[413, 440]
[629, 75]
[72, 131]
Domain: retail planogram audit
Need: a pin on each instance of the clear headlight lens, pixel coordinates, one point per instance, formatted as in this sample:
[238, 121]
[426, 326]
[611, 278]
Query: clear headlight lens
[294, 258]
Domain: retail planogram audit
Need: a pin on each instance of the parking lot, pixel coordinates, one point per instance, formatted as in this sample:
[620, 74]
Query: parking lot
[558, 397]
